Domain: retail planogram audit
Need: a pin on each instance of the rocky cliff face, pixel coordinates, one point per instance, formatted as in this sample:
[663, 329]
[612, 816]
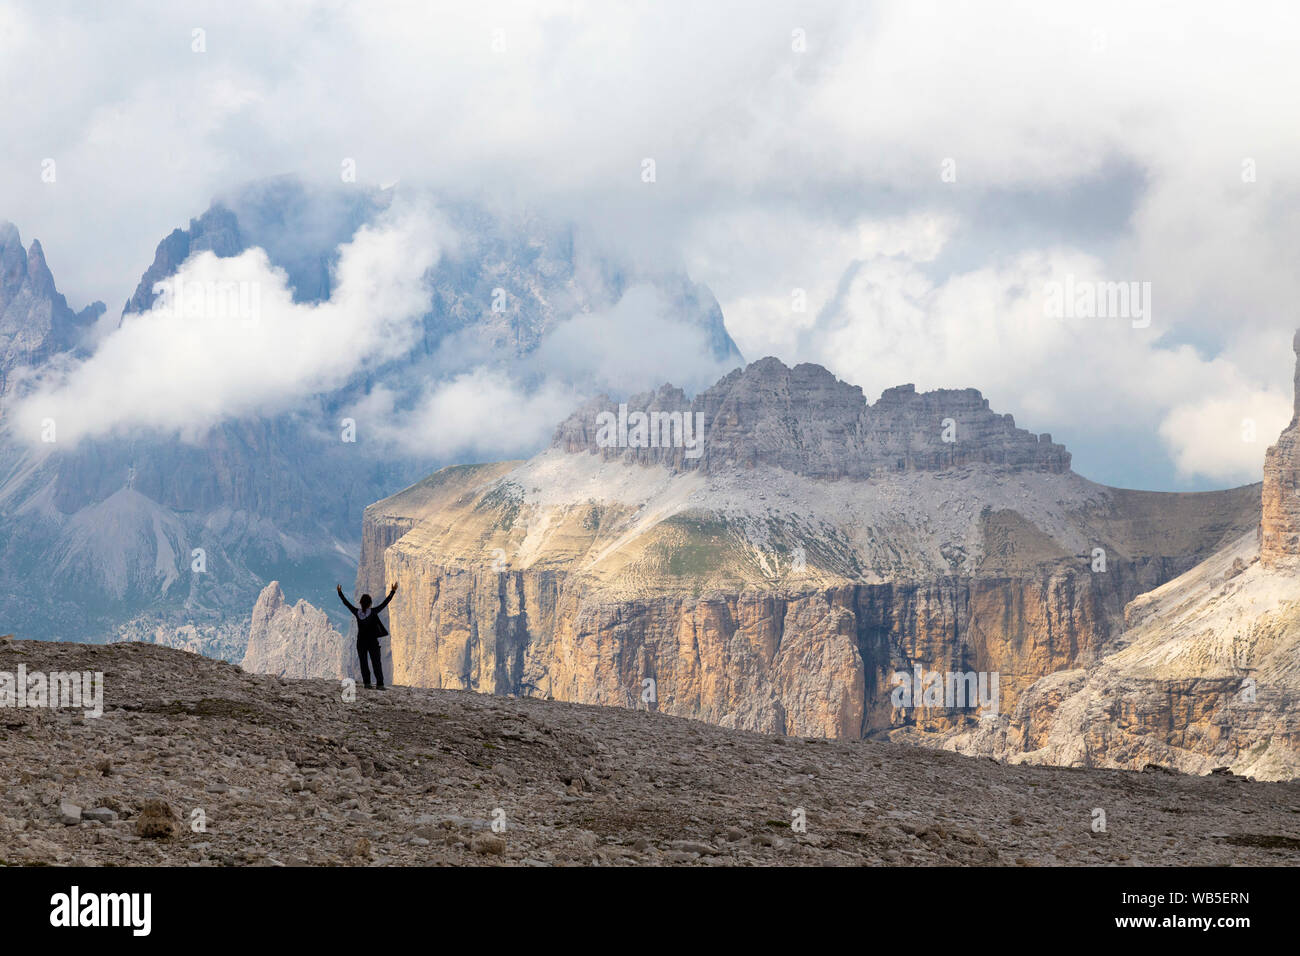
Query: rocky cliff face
[1204, 673]
[775, 586]
[1205, 677]
[36, 322]
[759, 417]
[1280, 521]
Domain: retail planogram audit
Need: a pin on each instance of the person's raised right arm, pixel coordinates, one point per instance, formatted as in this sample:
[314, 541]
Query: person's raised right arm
[348, 604]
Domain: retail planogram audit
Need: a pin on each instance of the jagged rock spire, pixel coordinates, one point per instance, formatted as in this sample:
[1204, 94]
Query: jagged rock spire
[1295, 395]
[1279, 526]
[35, 320]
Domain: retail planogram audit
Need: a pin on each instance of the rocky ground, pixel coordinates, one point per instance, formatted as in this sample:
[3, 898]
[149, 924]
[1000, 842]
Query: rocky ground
[288, 772]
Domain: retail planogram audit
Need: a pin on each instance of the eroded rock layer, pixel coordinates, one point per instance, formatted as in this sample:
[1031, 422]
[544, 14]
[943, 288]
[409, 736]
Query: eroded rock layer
[759, 416]
[1207, 676]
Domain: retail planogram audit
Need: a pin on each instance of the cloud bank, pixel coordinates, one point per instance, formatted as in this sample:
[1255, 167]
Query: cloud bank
[918, 170]
[225, 339]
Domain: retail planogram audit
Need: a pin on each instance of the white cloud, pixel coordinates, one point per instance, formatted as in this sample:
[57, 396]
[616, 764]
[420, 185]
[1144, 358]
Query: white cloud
[491, 412]
[635, 346]
[988, 329]
[482, 414]
[1225, 437]
[226, 339]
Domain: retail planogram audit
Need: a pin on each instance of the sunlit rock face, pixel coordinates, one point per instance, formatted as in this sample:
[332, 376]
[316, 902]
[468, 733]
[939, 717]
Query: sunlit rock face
[1204, 678]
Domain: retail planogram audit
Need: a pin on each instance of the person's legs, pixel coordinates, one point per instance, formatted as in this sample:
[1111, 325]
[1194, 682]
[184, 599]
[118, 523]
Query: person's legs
[377, 664]
[365, 667]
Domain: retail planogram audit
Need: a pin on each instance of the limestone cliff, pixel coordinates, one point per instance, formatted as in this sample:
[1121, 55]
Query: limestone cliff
[1204, 675]
[1280, 521]
[386, 522]
[780, 578]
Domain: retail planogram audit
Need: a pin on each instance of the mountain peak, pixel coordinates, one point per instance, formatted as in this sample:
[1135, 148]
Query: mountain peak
[217, 230]
[35, 321]
[807, 421]
[37, 269]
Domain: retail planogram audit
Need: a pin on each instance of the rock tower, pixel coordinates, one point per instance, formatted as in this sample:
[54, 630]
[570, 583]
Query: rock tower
[1279, 524]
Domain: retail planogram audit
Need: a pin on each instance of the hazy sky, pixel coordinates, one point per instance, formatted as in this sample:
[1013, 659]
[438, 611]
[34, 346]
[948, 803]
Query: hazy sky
[888, 189]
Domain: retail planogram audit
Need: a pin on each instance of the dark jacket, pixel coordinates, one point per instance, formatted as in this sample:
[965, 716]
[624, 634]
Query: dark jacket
[369, 627]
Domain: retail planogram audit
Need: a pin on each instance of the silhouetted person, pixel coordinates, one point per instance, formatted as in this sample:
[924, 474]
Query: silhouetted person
[369, 630]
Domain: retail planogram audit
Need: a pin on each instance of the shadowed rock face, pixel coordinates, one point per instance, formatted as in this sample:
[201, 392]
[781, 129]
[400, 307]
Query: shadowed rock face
[754, 595]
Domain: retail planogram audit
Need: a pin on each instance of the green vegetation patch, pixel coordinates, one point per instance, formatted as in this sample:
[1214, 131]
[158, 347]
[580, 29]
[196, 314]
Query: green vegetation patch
[697, 546]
